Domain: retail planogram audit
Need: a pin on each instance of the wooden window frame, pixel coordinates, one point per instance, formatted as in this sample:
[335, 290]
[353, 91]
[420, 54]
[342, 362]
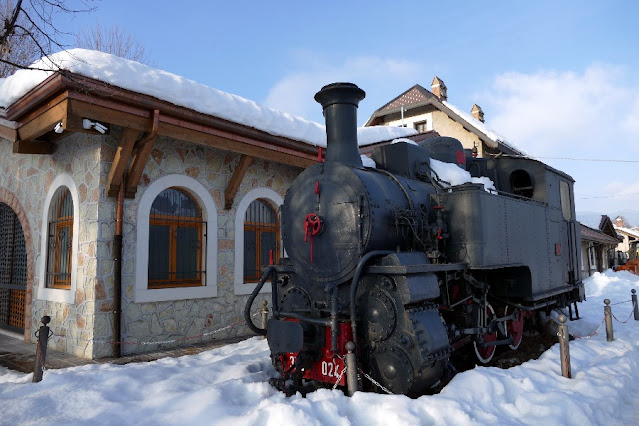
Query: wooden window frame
[175, 222]
[57, 225]
[259, 228]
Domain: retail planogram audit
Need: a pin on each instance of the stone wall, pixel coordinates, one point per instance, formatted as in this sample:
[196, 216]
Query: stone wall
[84, 326]
[176, 322]
[30, 177]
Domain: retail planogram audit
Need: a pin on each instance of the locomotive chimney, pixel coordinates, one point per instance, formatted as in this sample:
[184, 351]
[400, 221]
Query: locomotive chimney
[339, 101]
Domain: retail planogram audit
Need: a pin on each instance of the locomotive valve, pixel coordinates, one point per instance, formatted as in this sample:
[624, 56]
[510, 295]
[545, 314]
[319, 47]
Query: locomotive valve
[312, 227]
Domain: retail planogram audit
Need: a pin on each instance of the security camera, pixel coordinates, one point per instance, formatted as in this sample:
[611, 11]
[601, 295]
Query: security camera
[58, 128]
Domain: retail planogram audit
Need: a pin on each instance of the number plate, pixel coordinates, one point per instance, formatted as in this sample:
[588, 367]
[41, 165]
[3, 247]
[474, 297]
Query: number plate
[326, 370]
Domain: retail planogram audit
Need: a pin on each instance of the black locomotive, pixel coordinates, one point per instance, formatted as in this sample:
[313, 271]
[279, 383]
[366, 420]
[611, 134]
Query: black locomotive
[408, 268]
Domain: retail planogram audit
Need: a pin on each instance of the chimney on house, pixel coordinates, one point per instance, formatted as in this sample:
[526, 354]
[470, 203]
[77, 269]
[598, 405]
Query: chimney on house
[439, 89]
[477, 112]
[619, 222]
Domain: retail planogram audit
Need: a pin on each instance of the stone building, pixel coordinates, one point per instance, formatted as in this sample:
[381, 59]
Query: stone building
[136, 206]
[425, 110]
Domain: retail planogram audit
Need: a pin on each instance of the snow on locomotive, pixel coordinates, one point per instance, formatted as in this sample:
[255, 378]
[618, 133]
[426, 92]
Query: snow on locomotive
[408, 268]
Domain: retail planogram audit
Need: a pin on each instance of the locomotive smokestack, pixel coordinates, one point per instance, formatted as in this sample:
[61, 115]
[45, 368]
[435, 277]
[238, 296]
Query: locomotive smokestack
[339, 101]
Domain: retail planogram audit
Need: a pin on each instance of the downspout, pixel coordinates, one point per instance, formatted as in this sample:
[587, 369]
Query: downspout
[117, 272]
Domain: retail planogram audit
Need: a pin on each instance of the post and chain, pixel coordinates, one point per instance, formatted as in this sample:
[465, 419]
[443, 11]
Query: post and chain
[41, 351]
[564, 348]
[352, 380]
[634, 304]
[608, 320]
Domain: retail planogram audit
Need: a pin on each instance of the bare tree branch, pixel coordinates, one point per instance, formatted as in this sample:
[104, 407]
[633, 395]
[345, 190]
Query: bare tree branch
[114, 40]
[29, 32]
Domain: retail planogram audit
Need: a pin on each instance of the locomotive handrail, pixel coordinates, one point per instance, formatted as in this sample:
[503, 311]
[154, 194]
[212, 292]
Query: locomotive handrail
[415, 269]
[355, 283]
[251, 299]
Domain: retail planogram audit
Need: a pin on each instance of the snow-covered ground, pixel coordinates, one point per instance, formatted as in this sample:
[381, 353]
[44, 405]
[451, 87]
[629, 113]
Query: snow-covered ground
[229, 386]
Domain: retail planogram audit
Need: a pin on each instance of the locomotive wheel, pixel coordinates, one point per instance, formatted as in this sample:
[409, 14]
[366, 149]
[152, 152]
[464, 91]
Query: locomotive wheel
[515, 328]
[485, 354]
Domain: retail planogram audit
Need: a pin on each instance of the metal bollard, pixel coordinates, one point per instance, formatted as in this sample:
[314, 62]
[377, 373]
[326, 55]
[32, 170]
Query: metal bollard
[41, 350]
[608, 319]
[351, 369]
[564, 349]
[634, 304]
[264, 312]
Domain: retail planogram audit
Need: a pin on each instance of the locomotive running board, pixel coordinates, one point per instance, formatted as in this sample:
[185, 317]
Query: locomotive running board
[415, 269]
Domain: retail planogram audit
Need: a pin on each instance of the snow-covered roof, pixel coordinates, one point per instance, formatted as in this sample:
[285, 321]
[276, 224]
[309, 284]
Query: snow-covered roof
[629, 231]
[180, 91]
[482, 127]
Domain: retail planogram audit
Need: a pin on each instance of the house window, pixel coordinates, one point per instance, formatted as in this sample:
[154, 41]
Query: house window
[60, 240]
[177, 235]
[420, 126]
[261, 238]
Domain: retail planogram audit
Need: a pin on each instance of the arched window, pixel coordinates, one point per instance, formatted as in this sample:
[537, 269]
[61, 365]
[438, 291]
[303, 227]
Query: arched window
[60, 240]
[13, 270]
[261, 238]
[177, 235]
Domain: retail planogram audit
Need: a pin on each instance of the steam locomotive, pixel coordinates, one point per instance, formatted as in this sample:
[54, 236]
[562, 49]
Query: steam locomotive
[391, 266]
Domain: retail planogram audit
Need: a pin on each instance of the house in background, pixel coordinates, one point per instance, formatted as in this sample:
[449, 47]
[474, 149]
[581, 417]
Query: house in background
[598, 247]
[426, 110]
[137, 206]
[630, 238]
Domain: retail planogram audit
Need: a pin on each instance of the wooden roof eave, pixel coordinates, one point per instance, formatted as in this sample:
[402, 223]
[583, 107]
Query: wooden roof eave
[87, 98]
[8, 130]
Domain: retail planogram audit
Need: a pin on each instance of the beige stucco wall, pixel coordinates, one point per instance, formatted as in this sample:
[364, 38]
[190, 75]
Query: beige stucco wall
[444, 125]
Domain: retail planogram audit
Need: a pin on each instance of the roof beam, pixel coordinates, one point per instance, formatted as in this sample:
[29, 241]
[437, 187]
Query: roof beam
[33, 147]
[121, 161]
[8, 131]
[44, 123]
[238, 174]
[142, 153]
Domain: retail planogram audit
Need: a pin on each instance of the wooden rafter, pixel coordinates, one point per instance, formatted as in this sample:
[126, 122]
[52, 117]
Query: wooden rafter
[33, 147]
[142, 152]
[28, 133]
[121, 161]
[238, 174]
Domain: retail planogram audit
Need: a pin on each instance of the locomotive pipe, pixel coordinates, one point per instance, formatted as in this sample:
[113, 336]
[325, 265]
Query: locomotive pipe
[355, 284]
[251, 299]
[339, 102]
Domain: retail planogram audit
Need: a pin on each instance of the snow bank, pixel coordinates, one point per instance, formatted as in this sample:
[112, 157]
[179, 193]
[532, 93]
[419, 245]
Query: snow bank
[180, 91]
[229, 386]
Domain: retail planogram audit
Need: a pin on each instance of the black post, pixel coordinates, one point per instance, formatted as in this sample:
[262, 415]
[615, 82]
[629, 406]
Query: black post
[41, 350]
[634, 304]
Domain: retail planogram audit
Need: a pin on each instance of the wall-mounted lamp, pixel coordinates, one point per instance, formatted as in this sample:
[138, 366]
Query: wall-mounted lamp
[88, 124]
[59, 128]
[475, 150]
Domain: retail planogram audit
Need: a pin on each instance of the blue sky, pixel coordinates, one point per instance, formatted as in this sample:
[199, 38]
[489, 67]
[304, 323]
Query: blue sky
[559, 79]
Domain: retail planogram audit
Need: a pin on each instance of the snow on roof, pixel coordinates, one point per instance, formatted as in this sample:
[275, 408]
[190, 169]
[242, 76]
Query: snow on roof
[483, 128]
[180, 91]
[632, 232]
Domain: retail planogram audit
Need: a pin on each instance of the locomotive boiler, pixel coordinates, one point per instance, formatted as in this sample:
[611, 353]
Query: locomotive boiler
[398, 268]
